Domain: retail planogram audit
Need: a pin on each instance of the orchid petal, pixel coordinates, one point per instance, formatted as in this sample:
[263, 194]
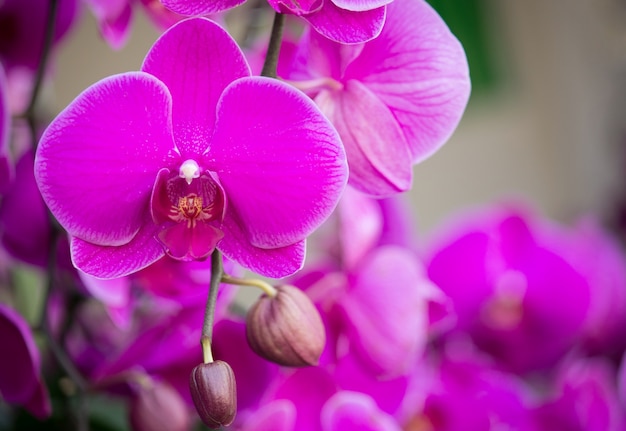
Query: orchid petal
[387, 285]
[207, 59]
[278, 415]
[345, 26]
[275, 263]
[5, 121]
[419, 70]
[19, 370]
[113, 18]
[354, 411]
[361, 224]
[360, 5]
[113, 262]
[97, 160]
[279, 160]
[200, 7]
[378, 154]
[39, 404]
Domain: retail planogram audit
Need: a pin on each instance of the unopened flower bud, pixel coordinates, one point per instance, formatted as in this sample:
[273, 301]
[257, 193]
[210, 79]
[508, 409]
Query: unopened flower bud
[158, 407]
[286, 328]
[214, 393]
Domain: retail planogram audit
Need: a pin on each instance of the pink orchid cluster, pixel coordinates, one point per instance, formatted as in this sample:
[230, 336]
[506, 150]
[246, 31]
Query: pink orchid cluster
[128, 218]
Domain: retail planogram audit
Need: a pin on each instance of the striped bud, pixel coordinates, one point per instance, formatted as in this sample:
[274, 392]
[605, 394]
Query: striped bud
[286, 328]
[214, 393]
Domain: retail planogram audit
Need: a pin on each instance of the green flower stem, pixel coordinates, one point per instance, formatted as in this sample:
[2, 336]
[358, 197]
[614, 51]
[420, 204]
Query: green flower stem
[273, 49]
[217, 271]
[267, 288]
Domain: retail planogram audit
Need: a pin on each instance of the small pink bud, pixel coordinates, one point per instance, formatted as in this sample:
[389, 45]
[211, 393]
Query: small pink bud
[286, 329]
[214, 393]
[159, 407]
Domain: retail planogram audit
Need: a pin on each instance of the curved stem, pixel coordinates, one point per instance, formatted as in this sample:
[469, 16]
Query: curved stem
[217, 271]
[78, 384]
[264, 286]
[273, 48]
[43, 60]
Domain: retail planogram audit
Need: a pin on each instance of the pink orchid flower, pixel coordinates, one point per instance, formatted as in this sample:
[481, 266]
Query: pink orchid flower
[190, 154]
[394, 100]
[343, 21]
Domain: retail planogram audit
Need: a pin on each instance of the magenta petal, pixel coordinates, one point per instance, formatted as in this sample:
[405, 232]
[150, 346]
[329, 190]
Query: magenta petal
[360, 5]
[279, 160]
[113, 262]
[275, 263]
[5, 119]
[419, 70]
[345, 26]
[389, 284]
[361, 224]
[39, 404]
[200, 7]
[378, 154]
[354, 411]
[190, 244]
[97, 160]
[278, 415]
[19, 363]
[196, 59]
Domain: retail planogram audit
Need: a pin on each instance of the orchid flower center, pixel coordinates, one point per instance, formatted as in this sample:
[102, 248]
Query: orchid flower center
[189, 207]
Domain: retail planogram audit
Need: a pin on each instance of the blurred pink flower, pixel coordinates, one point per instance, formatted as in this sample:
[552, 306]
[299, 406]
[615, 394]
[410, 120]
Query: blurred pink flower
[186, 160]
[114, 18]
[20, 381]
[512, 290]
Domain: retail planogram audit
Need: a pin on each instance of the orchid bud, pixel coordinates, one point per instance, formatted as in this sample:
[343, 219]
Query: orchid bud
[159, 407]
[286, 328]
[214, 393]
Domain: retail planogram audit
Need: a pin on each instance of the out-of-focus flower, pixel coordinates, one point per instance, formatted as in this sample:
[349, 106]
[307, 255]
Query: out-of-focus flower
[507, 284]
[5, 122]
[362, 284]
[23, 26]
[190, 164]
[464, 390]
[344, 21]
[158, 407]
[20, 381]
[114, 18]
[394, 100]
[583, 398]
[601, 260]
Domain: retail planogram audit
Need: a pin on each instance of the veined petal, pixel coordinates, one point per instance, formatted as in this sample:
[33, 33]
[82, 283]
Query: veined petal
[378, 154]
[275, 263]
[279, 160]
[196, 59]
[419, 70]
[97, 160]
[200, 7]
[360, 5]
[345, 26]
[113, 262]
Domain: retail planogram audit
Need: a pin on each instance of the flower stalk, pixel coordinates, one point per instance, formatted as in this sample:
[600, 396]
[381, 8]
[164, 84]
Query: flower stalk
[273, 48]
